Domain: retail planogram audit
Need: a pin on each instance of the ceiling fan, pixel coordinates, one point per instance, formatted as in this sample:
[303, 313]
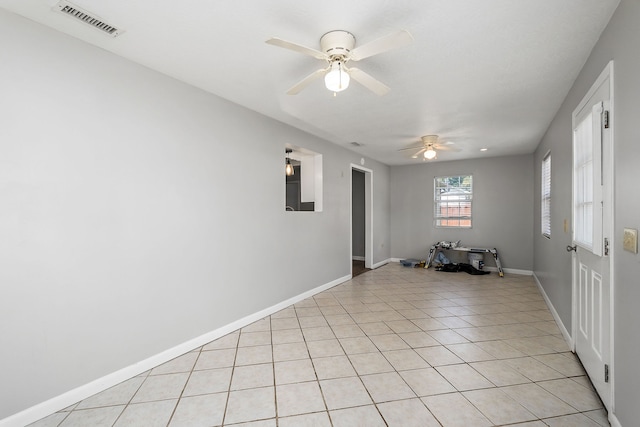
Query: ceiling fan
[429, 146]
[337, 49]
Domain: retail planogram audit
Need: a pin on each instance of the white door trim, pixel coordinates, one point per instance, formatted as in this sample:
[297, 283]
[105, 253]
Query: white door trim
[608, 215]
[368, 209]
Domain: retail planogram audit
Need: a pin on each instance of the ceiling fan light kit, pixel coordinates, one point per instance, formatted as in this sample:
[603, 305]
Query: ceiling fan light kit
[430, 153]
[337, 79]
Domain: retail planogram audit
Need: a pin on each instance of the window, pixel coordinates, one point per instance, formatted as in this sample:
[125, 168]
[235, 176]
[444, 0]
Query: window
[546, 196]
[452, 201]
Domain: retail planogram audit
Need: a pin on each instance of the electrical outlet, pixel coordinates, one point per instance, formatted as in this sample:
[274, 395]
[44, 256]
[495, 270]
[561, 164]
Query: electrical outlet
[630, 240]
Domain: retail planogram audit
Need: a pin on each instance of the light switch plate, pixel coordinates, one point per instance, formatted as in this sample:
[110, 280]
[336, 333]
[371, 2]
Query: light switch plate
[630, 240]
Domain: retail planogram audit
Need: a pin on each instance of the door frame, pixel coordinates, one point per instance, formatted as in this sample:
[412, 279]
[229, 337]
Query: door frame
[368, 220]
[608, 214]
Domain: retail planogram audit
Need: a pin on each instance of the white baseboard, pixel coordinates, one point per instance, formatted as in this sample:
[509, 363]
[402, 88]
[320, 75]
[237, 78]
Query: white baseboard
[613, 420]
[565, 333]
[64, 400]
[510, 270]
[358, 258]
[381, 263]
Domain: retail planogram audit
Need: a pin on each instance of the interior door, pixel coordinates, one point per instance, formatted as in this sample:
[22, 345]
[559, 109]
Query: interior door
[592, 227]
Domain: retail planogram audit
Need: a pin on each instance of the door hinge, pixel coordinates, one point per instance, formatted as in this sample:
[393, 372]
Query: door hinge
[606, 373]
[606, 246]
[605, 118]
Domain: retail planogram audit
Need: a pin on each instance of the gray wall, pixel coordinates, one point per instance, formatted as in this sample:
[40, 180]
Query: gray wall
[619, 42]
[358, 213]
[128, 219]
[502, 209]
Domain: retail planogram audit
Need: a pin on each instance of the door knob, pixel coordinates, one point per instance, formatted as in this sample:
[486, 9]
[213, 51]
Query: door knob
[573, 248]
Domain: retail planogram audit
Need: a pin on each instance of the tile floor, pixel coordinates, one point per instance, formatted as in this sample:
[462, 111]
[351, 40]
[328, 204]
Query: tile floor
[396, 346]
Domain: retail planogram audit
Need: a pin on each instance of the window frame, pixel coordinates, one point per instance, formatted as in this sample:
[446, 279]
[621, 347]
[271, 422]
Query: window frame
[545, 196]
[461, 219]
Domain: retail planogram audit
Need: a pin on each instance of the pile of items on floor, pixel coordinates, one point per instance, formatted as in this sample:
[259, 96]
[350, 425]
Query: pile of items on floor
[442, 263]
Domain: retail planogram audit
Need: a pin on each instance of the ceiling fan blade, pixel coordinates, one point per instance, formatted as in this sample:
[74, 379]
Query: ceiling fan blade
[295, 89]
[296, 48]
[445, 148]
[411, 148]
[383, 44]
[367, 81]
[415, 156]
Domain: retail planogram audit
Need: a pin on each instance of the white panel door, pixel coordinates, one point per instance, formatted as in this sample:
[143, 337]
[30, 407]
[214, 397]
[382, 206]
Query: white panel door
[592, 228]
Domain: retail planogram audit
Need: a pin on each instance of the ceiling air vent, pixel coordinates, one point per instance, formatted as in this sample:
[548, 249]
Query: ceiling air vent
[89, 18]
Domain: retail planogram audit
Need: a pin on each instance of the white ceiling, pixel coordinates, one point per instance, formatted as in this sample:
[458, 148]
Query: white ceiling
[480, 73]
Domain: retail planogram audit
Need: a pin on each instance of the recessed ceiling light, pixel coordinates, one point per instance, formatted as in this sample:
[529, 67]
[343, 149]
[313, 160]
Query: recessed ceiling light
[483, 149]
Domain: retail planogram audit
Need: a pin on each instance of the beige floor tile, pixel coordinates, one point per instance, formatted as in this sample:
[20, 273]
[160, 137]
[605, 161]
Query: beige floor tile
[453, 410]
[447, 336]
[498, 407]
[573, 420]
[402, 326]
[291, 351]
[252, 376]
[427, 382]
[357, 345]
[52, 420]
[285, 336]
[254, 355]
[499, 373]
[347, 331]
[93, 417]
[325, 348]
[389, 342]
[250, 405]
[361, 416]
[469, 352]
[538, 401]
[344, 393]
[403, 360]
[294, 371]
[284, 323]
[318, 333]
[161, 387]
[418, 339]
[500, 349]
[375, 328]
[299, 398]
[254, 338]
[438, 356]
[231, 340]
[182, 363]
[463, 377]
[567, 366]
[120, 394]
[318, 419]
[599, 416]
[333, 367]
[260, 325]
[429, 324]
[387, 387]
[215, 359]
[312, 321]
[208, 381]
[200, 411]
[532, 369]
[581, 398]
[407, 413]
[370, 363]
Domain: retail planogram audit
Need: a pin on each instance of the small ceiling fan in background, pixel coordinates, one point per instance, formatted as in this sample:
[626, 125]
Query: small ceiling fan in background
[337, 49]
[429, 146]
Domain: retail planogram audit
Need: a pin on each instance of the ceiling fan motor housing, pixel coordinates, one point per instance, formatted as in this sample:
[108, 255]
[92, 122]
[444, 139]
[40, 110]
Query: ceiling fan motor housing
[337, 44]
